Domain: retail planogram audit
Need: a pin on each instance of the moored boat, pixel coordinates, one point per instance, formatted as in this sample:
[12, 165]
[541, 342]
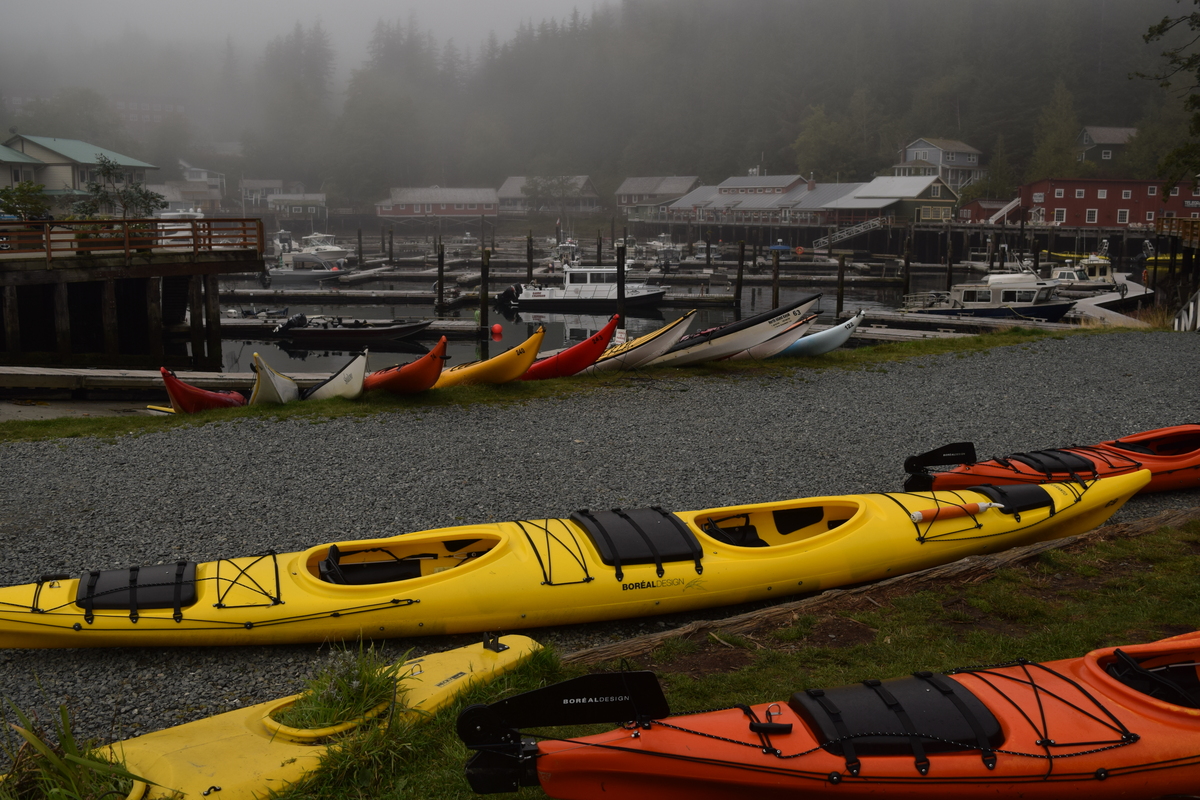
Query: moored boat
[188, 399]
[1171, 454]
[733, 337]
[822, 342]
[271, 387]
[592, 566]
[336, 331]
[574, 359]
[644, 349]
[411, 378]
[248, 754]
[1119, 722]
[1015, 295]
[502, 368]
[583, 287]
[347, 382]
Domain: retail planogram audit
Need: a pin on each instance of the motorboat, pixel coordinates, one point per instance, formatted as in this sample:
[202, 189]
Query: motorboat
[1008, 295]
[1086, 277]
[305, 268]
[323, 245]
[590, 287]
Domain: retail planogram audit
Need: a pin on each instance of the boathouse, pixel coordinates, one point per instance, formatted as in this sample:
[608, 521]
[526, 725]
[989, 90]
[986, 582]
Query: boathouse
[1107, 203]
[434, 201]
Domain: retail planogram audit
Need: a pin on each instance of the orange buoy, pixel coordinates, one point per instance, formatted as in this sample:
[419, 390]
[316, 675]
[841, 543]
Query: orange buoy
[799, 251]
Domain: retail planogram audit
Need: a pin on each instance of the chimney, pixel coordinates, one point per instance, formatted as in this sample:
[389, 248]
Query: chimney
[812, 184]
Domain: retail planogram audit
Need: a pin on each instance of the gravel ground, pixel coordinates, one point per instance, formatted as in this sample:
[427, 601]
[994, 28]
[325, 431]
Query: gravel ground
[687, 442]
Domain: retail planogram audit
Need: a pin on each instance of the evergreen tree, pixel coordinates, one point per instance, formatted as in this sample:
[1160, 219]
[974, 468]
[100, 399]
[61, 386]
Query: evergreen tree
[1055, 135]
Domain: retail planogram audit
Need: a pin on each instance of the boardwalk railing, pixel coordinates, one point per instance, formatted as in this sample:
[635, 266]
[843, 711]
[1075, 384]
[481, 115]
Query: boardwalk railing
[1188, 318]
[67, 239]
[847, 233]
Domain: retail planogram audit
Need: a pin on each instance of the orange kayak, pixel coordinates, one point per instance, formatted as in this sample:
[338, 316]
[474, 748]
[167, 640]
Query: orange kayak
[188, 399]
[1115, 723]
[413, 377]
[1171, 454]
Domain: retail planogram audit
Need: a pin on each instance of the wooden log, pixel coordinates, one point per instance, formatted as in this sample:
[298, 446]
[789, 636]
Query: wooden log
[970, 568]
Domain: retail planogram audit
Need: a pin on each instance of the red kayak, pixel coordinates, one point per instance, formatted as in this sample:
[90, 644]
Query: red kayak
[188, 399]
[413, 377]
[575, 358]
[1119, 722]
[1171, 454]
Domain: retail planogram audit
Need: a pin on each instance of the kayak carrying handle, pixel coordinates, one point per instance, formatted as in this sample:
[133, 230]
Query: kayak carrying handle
[951, 512]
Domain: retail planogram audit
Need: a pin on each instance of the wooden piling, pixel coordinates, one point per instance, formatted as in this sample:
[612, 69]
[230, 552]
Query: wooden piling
[841, 284]
[62, 319]
[12, 327]
[529, 258]
[212, 321]
[737, 286]
[195, 313]
[154, 318]
[485, 327]
[392, 245]
[621, 284]
[774, 279]
[907, 265]
[360, 248]
[108, 318]
[441, 278]
[599, 248]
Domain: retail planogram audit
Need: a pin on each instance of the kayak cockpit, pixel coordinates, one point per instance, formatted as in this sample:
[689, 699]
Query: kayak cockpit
[370, 563]
[772, 526]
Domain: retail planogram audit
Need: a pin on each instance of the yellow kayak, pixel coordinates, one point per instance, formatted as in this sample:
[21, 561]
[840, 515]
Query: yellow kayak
[508, 366]
[244, 754]
[595, 565]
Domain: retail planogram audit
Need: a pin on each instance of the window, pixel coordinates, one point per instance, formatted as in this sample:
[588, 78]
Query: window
[1018, 295]
[458, 206]
[297, 209]
[935, 191]
[1196, 191]
[403, 206]
[488, 207]
[1058, 193]
[1174, 191]
[443, 206]
[428, 207]
[1126, 194]
[1123, 216]
[1091, 216]
[1102, 194]
[1060, 215]
[972, 158]
[312, 209]
[1106, 155]
[921, 155]
[950, 156]
[1196, 215]
[1149, 216]
[1151, 191]
[1079, 194]
[977, 295]
[472, 206]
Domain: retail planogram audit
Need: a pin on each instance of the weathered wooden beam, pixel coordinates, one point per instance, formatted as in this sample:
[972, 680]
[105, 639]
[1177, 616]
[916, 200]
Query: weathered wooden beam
[108, 318]
[12, 322]
[196, 317]
[154, 317]
[62, 319]
[212, 321]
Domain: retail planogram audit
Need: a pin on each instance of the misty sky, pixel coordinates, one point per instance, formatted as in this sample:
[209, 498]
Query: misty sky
[348, 22]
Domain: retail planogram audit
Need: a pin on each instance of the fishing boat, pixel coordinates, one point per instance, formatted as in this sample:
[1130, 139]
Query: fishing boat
[248, 754]
[590, 287]
[323, 246]
[822, 342]
[575, 358]
[411, 378]
[1171, 454]
[777, 343]
[271, 387]
[592, 566]
[347, 382]
[188, 399]
[644, 349]
[723, 341]
[506, 367]
[1119, 722]
[292, 268]
[335, 331]
[1009, 295]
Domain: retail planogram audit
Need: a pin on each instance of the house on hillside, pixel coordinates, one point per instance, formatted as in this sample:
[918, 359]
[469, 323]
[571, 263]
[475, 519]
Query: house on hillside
[917, 199]
[1103, 202]
[1101, 145]
[582, 198]
[434, 201]
[16, 167]
[956, 163]
[257, 191]
[298, 206]
[66, 166]
[200, 189]
[649, 193]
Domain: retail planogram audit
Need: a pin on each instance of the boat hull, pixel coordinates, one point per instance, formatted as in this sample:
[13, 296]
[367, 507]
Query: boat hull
[726, 340]
[349, 335]
[1049, 312]
[188, 399]
[644, 349]
[503, 368]
[533, 573]
[575, 358]
[777, 344]
[822, 342]
[271, 387]
[411, 378]
[346, 383]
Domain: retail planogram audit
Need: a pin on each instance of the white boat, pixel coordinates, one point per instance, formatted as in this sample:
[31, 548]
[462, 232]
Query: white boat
[1010, 295]
[305, 268]
[323, 246]
[822, 342]
[733, 337]
[271, 387]
[1091, 274]
[778, 343]
[644, 349]
[583, 287]
[346, 382]
[281, 242]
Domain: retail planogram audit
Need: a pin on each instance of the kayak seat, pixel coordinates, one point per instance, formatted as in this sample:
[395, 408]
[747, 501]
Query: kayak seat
[943, 714]
[638, 536]
[363, 573]
[745, 535]
[1048, 461]
[1133, 448]
[153, 586]
[1179, 685]
[1017, 497]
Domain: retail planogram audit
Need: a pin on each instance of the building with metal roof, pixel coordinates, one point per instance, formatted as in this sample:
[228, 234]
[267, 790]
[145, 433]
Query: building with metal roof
[637, 193]
[581, 199]
[436, 201]
[68, 165]
[1102, 145]
[956, 163]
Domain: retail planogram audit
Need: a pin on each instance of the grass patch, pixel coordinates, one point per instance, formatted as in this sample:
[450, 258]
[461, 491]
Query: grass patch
[350, 687]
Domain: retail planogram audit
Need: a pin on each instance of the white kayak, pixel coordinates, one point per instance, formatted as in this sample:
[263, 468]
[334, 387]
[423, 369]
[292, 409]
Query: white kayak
[821, 342]
[346, 382]
[644, 349]
[777, 344]
[734, 337]
[271, 387]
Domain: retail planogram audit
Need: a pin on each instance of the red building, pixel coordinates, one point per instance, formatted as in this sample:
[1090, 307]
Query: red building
[437, 202]
[1106, 203]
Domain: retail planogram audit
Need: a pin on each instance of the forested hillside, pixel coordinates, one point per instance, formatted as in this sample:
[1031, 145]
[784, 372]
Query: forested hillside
[646, 87]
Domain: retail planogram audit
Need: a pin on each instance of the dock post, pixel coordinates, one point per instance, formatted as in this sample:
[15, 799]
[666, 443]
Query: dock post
[360, 248]
[841, 294]
[195, 312]
[737, 286]
[392, 245]
[154, 317]
[484, 327]
[212, 320]
[529, 258]
[907, 265]
[12, 328]
[108, 318]
[382, 241]
[441, 280]
[599, 247]
[774, 279]
[621, 284]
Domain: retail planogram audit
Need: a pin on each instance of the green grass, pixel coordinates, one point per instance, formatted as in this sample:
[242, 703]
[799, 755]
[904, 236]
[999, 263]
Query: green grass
[871, 358]
[346, 689]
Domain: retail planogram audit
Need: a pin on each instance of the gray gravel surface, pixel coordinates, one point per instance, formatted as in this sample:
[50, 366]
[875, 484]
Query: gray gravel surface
[681, 442]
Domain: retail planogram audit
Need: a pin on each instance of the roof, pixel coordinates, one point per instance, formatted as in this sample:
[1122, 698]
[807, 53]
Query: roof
[316, 197]
[82, 152]
[436, 194]
[764, 181]
[952, 145]
[898, 187]
[10, 156]
[676, 185]
[1109, 135]
[802, 198]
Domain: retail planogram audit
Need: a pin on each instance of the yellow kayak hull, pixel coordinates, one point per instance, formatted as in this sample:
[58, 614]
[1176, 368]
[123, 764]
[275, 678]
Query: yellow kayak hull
[244, 754]
[504, 368]
[534, 573]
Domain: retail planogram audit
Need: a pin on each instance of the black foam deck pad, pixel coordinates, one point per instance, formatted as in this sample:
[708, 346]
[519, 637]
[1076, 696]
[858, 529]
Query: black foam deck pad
[863, 713]
[1017, 497]
[671, 538]
[1054, 461]
[155, 587]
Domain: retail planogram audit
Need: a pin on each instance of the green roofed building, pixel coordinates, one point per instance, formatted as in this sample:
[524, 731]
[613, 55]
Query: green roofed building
[64, 166]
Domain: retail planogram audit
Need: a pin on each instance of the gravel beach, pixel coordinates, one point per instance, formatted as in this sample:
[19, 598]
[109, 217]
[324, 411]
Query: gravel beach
[681, 442]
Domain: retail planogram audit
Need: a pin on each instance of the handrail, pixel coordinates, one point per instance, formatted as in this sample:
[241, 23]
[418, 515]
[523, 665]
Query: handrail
[70, 238]
[846, 233]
